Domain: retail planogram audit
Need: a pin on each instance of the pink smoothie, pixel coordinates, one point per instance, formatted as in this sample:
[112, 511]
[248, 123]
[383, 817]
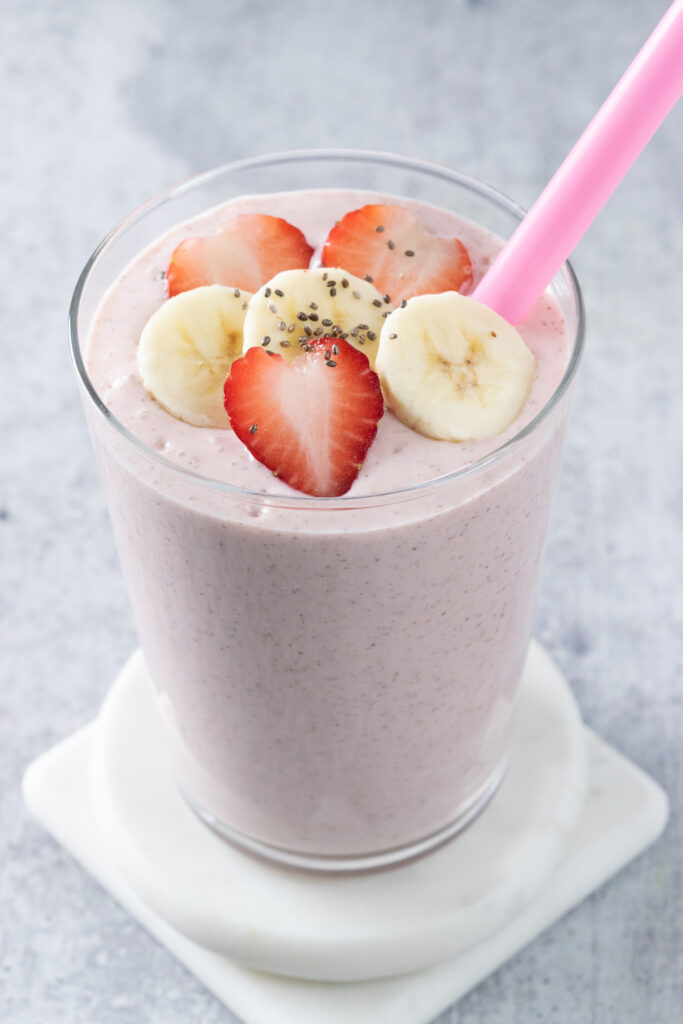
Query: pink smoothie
[337, 675]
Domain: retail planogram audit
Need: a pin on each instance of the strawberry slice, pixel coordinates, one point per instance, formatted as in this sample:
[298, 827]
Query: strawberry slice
[388, 246]
[310, 421]
[244, 254]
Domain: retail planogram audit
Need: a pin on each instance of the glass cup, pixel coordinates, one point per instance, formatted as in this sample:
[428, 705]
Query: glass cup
[336, 676]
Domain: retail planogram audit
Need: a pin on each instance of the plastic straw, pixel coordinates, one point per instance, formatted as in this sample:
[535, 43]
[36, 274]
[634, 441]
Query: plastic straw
[595, 166]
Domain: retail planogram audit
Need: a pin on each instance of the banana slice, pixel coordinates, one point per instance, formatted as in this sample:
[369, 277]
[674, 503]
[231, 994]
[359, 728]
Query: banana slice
[187, 348]
[300, 304]
[453, 369]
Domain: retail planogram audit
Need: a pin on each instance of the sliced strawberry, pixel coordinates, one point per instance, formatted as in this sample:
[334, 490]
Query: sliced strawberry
[310, 421]
[246, 253]
[388, 246]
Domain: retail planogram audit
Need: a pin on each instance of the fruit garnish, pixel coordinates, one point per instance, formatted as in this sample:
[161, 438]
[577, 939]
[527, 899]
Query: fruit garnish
[388, 246]
[186, 349]
[245, 253]
[453, 369]
[310, 421]
[300, 305]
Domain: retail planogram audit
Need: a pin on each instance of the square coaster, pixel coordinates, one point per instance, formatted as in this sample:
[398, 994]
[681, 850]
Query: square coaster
[625, 812]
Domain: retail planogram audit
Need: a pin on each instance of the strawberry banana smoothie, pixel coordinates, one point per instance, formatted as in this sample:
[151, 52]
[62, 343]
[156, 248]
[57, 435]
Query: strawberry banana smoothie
[332, 574]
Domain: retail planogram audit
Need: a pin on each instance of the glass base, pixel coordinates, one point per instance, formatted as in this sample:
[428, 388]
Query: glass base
[348, 863]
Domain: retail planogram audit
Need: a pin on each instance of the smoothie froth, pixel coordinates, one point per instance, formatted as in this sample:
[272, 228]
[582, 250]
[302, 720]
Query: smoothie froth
[399, 457]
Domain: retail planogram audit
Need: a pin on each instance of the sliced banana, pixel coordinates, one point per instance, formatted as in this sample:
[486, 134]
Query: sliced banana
[300, 304]
[187, 348]
[453, 369]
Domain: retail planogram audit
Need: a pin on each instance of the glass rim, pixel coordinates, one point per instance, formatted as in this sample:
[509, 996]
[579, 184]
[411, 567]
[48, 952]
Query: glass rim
[378, 157]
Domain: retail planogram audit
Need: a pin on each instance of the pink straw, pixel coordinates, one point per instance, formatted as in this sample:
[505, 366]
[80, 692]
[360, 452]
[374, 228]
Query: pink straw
[575, 195]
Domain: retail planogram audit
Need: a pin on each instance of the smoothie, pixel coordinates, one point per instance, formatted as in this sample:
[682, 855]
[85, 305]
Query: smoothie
[337, 675]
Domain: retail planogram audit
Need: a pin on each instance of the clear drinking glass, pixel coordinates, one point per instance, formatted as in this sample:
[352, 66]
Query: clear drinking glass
[337, 676]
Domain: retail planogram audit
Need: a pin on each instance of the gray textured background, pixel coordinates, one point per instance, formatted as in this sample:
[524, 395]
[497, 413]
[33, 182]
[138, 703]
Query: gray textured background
[103, 104]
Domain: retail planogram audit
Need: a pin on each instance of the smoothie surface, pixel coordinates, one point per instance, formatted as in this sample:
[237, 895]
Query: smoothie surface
[400, 457]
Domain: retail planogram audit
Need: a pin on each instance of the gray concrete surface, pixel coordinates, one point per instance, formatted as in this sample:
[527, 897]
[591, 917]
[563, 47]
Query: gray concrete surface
[103, 104]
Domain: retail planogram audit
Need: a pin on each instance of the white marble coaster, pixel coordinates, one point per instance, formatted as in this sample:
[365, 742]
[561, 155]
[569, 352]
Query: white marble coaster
[623, 813]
